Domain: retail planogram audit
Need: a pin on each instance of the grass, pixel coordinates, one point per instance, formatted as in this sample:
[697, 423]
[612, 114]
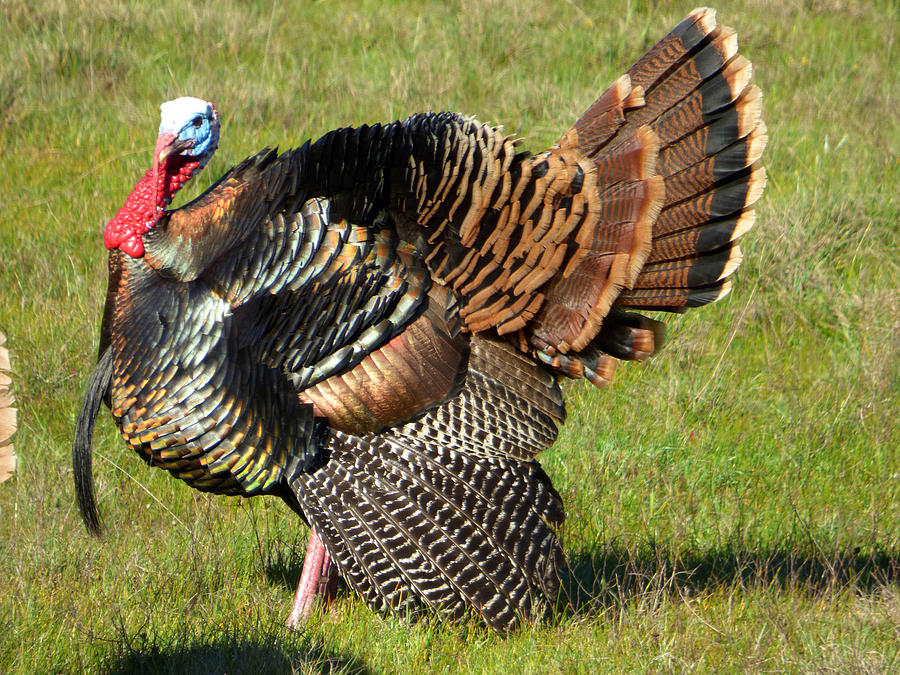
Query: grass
[733, 505]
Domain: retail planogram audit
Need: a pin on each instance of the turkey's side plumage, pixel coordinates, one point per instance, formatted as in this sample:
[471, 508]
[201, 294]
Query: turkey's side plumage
[449, 512]
[372, 326]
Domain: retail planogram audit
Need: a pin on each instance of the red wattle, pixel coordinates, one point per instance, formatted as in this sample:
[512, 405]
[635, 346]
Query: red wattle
[146, 204]
[137, 215]
[133, 247]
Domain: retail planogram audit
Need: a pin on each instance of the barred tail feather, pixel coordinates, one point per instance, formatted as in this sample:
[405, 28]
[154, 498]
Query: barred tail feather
[712, 137]
[663, 237]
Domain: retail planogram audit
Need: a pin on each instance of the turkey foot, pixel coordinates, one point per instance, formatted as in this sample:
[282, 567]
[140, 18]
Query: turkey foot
[318, 579]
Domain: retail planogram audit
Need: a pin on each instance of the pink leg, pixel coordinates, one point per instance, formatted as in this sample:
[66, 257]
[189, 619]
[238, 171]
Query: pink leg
[315, 581]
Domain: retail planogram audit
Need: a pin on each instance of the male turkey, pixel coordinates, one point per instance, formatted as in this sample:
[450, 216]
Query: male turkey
[373, 326]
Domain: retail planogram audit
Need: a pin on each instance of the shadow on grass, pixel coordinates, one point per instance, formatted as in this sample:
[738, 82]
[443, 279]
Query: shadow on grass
[283, 567]
[613, 576]
[229, 651]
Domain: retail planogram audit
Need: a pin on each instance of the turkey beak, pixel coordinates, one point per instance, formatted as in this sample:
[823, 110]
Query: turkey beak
[168, 144]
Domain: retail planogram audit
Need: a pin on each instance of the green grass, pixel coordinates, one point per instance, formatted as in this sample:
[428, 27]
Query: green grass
[734, 504]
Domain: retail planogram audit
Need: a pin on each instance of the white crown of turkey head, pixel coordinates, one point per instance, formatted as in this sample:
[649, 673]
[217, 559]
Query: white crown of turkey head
[195, 125]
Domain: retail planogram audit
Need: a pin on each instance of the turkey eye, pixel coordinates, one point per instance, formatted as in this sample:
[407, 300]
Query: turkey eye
[197, 121]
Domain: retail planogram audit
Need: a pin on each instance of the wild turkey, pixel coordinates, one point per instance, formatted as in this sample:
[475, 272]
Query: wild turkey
[7, 415]
[372, 327]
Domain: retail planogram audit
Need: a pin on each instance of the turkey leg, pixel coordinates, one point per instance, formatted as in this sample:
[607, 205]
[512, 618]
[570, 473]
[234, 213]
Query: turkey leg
[317, 580]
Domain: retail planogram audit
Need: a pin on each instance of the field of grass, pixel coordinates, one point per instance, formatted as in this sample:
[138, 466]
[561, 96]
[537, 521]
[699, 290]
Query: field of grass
[732, 505]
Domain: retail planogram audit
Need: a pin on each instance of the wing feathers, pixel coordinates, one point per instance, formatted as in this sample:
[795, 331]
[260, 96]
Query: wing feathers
[399, 380]
[418, 524]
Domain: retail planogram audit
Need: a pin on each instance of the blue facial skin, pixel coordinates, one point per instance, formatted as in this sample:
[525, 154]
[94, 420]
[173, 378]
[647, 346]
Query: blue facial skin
[203, 133]
[194, 124]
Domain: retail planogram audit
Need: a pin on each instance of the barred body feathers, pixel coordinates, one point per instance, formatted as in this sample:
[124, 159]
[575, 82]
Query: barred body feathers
[373, 326]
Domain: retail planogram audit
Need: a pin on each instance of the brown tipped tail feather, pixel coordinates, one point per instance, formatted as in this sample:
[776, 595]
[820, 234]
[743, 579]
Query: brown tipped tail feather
[638, 205]
[674, 145]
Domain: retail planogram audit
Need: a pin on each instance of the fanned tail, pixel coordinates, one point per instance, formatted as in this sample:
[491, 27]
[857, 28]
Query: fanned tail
[638, 205]
[676, 144]
[708, 118]
[7, 415]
